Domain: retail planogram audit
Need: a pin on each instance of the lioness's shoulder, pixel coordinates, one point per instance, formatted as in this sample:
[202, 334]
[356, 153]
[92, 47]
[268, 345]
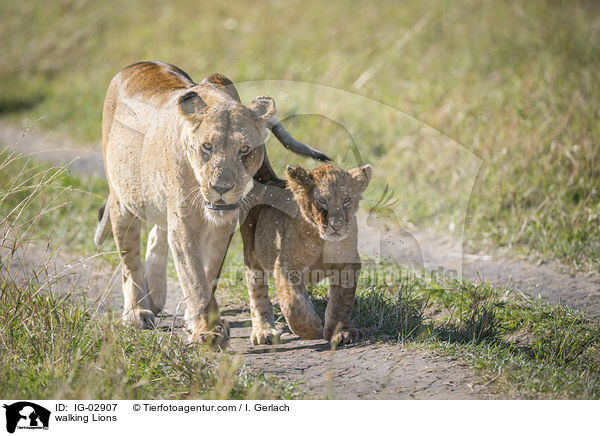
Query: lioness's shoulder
[151, 79]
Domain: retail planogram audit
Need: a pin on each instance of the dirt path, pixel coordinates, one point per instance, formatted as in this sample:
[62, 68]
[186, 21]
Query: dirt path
[366, 370]
[362, 371]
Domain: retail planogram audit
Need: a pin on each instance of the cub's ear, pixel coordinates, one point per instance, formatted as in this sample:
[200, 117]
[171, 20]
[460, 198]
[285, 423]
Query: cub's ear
[299, 177]
[362, 176]
[263, 108]
[191, 104]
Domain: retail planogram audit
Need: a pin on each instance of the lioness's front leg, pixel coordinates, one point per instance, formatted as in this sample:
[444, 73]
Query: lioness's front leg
[216, 242]
[295, 303]
[338, 324]
[188, 250]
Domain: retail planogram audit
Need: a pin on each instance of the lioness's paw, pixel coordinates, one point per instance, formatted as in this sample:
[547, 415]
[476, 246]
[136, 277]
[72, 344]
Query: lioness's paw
[140, 318]
[217, 338]
[266, 334]
[342, 336]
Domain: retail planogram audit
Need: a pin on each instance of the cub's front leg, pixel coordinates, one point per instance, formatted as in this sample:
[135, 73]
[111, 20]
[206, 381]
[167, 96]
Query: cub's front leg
[261, 309]
[202, 313]
[295, 303]
[342, 288]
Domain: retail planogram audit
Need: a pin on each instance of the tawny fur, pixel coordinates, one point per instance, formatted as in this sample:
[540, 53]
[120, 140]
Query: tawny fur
[157, 125]
[300, 236]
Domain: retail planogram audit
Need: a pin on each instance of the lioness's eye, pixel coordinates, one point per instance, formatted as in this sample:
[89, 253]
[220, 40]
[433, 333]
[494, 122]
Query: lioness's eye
[347, 201]
[244, 149]
[207, 146]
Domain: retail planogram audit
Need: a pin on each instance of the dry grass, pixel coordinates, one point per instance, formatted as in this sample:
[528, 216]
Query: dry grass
[515, 83]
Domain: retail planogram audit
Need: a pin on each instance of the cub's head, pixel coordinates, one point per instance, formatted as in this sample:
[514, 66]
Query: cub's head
[328, 196]
[224, 144]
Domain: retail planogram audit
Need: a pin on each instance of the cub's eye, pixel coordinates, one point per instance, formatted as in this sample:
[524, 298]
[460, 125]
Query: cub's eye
[322, 202]
[207, 147]
[347, 201]
[244, 149]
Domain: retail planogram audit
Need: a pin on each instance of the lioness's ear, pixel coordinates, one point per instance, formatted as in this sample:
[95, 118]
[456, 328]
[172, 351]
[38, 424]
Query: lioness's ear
[362, 176]
[191, 103]
[298, 176]
[263, 108]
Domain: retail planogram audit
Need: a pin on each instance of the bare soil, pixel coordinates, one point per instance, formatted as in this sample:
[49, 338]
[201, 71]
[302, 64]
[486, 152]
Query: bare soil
[362, 371]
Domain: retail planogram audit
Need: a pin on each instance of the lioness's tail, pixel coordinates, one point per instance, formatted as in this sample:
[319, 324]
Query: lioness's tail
[289, 142]
[103, 226]
[265, 174]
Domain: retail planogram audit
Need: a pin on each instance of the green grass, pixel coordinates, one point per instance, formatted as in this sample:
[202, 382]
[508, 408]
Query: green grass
[59, 206]
[517, 83]
[54, 346]
[529, 348]
[520, 346]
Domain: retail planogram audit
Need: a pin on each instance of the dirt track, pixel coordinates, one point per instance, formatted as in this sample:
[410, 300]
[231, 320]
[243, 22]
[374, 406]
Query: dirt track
[360, 371]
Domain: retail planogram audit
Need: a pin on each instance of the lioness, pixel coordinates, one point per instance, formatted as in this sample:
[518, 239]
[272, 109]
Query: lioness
[304, 248]
[179, 155]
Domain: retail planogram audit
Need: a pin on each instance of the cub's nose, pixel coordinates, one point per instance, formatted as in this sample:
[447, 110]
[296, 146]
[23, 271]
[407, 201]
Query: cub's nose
[221, 189]
[336, 224]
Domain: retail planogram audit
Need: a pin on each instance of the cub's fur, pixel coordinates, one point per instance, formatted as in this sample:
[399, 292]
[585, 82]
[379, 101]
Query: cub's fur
[304, 248]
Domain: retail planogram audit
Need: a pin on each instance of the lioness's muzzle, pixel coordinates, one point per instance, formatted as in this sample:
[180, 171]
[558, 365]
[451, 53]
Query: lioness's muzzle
[221, 206]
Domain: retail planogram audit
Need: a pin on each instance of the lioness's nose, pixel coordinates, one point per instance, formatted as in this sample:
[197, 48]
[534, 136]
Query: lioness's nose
[221, 189]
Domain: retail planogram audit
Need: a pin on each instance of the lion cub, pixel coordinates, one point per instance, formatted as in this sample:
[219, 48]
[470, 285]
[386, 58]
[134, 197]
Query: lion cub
[301, 236]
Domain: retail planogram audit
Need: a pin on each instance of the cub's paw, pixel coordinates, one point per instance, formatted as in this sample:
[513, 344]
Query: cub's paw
[140, 318]
[264, 334]
[337, 335]
[217, 337]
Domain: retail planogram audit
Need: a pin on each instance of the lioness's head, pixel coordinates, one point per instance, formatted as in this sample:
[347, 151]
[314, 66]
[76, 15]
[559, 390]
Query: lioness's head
[328, 196]
[224, 143]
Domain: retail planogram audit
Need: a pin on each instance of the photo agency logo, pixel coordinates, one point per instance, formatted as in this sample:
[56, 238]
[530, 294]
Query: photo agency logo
[25, 415]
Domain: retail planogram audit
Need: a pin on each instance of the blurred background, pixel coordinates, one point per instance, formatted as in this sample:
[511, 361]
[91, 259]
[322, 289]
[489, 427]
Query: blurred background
[514, 85]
